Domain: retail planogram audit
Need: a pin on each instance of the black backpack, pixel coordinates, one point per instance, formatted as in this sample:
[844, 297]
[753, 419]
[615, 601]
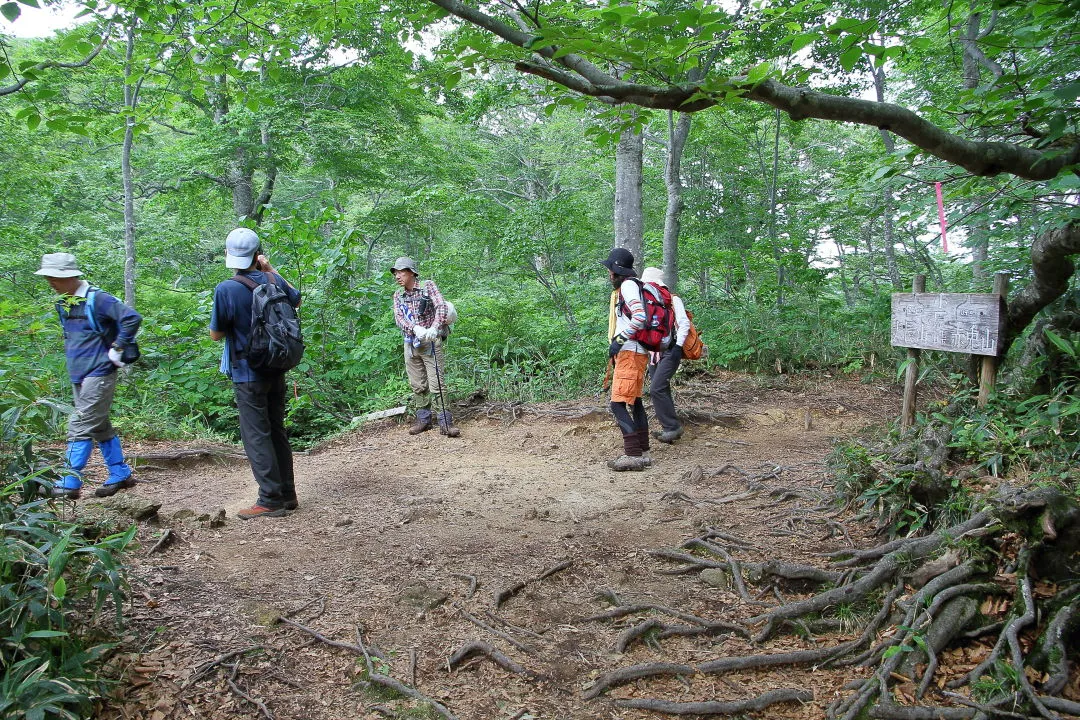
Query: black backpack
[275, 341]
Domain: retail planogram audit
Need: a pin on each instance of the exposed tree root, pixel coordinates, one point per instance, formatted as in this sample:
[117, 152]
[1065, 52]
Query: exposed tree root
[736, 707]
[479, 647]
[951, 571]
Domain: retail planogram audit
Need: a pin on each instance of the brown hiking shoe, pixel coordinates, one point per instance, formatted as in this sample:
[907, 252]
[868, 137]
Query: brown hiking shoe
[256, 511]
[627, 462]
[419, 426]
[450, 431]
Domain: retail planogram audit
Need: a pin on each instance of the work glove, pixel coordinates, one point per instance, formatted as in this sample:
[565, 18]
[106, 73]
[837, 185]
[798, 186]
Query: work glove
[616, 345]
[420, 332]
[114, 357]
[432, 333]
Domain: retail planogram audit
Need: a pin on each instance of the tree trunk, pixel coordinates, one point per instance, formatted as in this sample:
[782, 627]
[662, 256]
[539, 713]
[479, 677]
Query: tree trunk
[677, 135]
[774, 239]
[889, 241]
[131, 99]
[629, 221]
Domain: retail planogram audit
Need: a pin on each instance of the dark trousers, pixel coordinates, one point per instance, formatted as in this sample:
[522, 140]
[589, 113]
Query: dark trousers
[262, 428]
[630, 419]
[660, 388]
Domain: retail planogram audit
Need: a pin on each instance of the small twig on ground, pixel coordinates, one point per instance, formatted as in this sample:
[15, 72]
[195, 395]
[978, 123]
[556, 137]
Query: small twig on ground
[305, 606]
[509, 592]
[236, 689]
[166, 537]
[494, 631]
[502, 621]
[333, 643]
[205, 669]
[472, 583]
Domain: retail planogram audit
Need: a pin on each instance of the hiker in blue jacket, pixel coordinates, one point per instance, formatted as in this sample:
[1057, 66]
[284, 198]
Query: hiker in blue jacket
[98, 328]
[260, 394]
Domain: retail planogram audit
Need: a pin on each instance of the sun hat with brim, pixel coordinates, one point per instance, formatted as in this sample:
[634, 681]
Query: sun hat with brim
[653, 275]
[59, 265]
[620, 261]
[241, 246]
[405, 263]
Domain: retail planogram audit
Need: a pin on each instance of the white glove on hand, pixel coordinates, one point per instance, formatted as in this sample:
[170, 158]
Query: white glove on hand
[114, 357]
[432, 333]
[420, 332]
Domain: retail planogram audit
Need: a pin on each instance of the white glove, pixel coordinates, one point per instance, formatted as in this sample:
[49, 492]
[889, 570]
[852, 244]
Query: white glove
[114, 357]
[432, 333]
[420, 332]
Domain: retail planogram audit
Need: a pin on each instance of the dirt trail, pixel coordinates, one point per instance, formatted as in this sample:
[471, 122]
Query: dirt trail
[411, 539]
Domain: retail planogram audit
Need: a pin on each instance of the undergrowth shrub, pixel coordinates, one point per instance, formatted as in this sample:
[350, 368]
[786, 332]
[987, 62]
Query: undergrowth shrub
[54, 579]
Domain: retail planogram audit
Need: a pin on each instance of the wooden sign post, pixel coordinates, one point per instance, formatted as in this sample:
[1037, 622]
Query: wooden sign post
[953, 322]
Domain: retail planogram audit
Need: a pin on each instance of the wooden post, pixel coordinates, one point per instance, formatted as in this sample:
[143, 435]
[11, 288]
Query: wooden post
[907, 417]
[988, 376]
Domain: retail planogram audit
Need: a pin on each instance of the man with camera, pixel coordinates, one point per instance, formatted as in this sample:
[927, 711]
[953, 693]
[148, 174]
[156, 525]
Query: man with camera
[260, 393]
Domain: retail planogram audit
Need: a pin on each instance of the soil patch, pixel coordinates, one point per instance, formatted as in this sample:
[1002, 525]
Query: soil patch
[512, 535]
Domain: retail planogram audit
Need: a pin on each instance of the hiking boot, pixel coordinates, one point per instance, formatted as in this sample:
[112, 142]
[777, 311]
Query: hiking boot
[291, 505]
[109, 489]
[646, 458]
[420, 426]
[64, 492]
[256, 511]
[668, 436]
[446, 424]
[627, 462]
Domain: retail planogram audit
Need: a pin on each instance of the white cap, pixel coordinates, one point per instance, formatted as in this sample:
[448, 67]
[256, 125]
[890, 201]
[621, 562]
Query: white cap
[240, 248]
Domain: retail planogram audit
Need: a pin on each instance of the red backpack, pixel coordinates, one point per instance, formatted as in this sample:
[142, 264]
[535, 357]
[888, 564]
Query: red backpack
[659, 317]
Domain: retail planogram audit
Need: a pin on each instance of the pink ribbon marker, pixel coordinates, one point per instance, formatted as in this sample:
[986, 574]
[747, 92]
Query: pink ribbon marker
[941, 217]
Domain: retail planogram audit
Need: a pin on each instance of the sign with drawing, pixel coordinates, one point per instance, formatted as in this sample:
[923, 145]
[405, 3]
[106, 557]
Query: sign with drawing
[953, 322]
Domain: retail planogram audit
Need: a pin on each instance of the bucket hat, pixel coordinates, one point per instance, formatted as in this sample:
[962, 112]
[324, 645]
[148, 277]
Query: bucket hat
[620, 261]
[405, 263]
[653, 275]
[59, 265]
[241, 247]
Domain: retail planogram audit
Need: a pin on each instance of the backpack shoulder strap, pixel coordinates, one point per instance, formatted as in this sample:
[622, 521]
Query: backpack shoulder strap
[91, 299]
[245, 281]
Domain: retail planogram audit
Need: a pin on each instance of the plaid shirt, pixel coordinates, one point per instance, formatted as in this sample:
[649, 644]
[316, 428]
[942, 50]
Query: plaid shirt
[407, 308]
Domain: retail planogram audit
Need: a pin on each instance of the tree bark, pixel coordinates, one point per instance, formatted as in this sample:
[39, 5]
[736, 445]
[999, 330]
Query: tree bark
[629, 224]
[678, 132]
[131, 99]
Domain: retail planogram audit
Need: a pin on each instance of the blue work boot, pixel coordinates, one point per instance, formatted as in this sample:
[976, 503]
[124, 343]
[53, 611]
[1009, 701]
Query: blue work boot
[77, 454]
[119, 471]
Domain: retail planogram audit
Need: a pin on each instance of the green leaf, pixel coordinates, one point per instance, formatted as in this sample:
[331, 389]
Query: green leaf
[60, 589]
[33, 120]
[798, 42]
[10, 10]
[47, 633]
[758, 72]
[850, 57]
[1061, 343]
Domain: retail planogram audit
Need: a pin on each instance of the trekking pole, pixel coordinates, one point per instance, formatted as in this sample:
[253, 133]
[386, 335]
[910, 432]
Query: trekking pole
[442, 391]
